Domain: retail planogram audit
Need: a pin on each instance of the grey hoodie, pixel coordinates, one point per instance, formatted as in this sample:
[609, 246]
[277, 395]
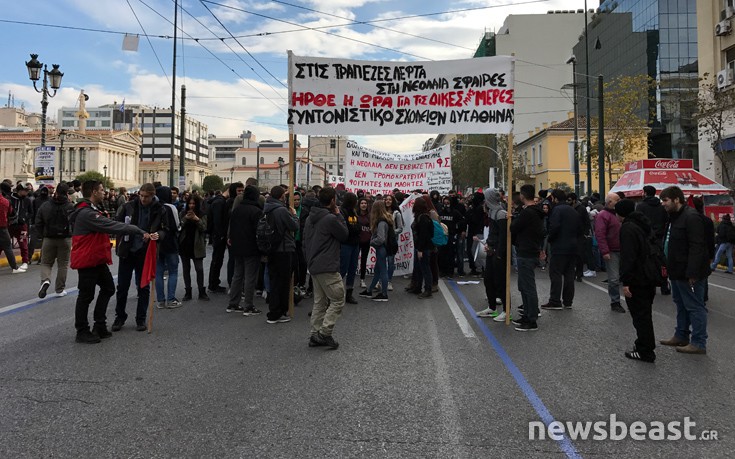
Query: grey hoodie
[494, 206]
[324, 232]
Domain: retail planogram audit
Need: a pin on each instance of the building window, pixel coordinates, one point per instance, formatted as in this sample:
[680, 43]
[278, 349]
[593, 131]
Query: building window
[68, 123]
[105, 123]
[331, 167]
[72, 159]
[82, 160]
[533, 157]
[332, 143]
[262, 160]
[540, 156]
[68, 114]
[243, 161]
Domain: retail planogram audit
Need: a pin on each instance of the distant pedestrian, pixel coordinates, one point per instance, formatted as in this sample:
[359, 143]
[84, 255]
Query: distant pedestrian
[91, 255]
[688, 268]
[651, 207]
[564, 231]
[324, 233]
[168, 252]
[607, 231]
[423, 232]
[639, 291]
[52, 223]
[381, 228]
[244, 249]
[6, 244]
[193, 246]
[725, 239]
[527, 234]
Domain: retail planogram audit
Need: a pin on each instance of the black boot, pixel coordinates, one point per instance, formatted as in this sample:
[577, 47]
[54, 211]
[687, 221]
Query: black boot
[349, 299]
[203, 294]
[101, 331]
[187, 295]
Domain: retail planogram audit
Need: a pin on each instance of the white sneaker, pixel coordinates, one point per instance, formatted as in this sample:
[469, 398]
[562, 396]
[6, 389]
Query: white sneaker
[485, 312]
[498, 302]
[500, 317]
[161, 304]
[19, 271]
[589, 273]
[362, 283]
[24, 266]
[62, 293]
[173, 304]
[390, 286]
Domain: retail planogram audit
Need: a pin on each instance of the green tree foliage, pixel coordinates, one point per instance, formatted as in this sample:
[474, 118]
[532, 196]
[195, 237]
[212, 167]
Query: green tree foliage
[626, 99]
[212, 183]
[94, 175]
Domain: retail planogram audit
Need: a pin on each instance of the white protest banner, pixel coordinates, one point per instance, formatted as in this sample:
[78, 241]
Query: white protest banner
[330, 96]
[380, 173]
[404, 256]
[45, 168]
[334, 180]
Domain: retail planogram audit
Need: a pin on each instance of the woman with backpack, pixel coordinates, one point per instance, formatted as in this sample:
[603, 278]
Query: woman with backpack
[392, 206]
[192, 245]
[363, 221]
[381, 228]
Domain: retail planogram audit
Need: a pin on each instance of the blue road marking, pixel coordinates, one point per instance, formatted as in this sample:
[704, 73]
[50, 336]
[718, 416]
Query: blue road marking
[565, 443]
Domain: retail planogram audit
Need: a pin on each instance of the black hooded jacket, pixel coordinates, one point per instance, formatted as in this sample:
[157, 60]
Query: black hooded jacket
[656, 214]
[635, 234]
[243, 224]
[170, 243]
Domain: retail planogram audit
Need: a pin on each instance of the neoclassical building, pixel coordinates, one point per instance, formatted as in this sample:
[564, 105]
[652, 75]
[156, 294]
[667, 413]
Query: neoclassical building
[114, 154]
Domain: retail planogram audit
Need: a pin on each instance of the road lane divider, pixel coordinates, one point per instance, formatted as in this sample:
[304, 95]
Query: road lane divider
[464, 325]
[565, 444]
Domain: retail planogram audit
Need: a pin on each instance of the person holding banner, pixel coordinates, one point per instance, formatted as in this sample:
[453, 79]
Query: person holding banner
[381, 227]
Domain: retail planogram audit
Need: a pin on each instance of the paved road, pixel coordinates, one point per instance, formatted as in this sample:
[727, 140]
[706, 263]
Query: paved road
[411, 379]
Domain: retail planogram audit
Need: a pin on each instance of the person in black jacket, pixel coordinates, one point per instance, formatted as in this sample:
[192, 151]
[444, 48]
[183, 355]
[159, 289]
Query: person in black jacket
[146, 214]
[635, 237]
[709, 238]
[688, 267]
[725, 238]
[651, 207]
[244, 249]
[495, 256]
[527, 234]
[451, 217]
[234, 191]
[52, 224]
[217, 225]
[583, 238]
[423, 232]
[350, 248]
[475, 219]
[168, 252]
[564, 230]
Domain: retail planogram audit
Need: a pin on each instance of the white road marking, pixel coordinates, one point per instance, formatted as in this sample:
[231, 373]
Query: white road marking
[34, 301]
[722, 287]
[464, 325]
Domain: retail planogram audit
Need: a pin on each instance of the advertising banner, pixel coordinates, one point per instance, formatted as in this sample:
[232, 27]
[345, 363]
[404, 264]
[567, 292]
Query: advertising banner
[44, 165]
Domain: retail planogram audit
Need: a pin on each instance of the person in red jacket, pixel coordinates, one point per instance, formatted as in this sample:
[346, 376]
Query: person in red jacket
[5, 243]
[91, 255]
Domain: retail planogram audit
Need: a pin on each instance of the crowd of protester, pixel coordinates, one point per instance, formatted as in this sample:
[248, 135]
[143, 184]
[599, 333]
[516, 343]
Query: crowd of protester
[323, 237]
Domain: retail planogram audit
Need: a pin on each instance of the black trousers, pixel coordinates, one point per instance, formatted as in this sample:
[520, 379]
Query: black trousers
[218, 256]
[300, 265]
[280, 268]
[561, 273]
[89, 278]
[494, 280]
[640, 306]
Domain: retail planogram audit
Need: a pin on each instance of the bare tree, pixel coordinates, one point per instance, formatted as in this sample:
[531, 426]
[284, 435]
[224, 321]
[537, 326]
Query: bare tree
[715, 114]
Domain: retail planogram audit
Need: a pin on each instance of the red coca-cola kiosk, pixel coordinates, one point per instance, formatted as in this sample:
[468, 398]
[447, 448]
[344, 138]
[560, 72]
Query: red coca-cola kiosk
[662, 173]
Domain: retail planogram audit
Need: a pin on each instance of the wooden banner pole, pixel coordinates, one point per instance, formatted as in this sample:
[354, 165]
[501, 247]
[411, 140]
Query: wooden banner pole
[509, 201]
[292, 191]
[150, 306]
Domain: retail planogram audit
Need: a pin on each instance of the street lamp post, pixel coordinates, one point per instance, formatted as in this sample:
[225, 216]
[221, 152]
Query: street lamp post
[500, 158]
[34, 73]
[573, 60]
[105, 169]
[281, 162]
[62, 136]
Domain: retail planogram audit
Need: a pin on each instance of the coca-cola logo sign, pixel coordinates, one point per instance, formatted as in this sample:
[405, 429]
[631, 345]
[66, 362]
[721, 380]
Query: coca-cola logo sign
[666, 164]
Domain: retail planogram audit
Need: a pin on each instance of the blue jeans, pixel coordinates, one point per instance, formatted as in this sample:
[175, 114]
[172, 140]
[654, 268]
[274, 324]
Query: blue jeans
[690, 311]
[166, 261]
[391, 260]
[380, 273]
[527, 287]
[727, 248]
[348, 256]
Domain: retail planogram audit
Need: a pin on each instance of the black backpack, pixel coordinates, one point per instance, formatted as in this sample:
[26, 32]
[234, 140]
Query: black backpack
[57, 224]
[391, 243]
[654, 266]
[266, 234]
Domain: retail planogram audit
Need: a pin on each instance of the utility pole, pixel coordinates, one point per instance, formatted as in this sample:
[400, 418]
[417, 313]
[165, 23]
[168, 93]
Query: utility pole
[601, 138]
[587, 89]
[182, 142]
[173, 100]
